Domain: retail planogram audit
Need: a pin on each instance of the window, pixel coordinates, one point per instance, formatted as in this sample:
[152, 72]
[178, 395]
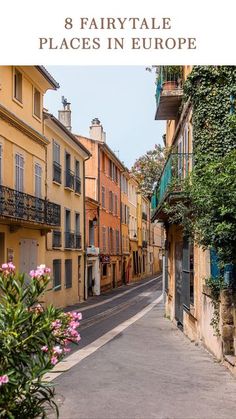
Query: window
[117, 241]
[37, 103]
[56, 163]
[91, 233]
[77, 223]
[77, 177]
[110, 168]
[38, 180]
[77, 168]
[56, 152]
[104, 239]
[57, 274]
[17, 85]
[103, 197]
[68, 273]
[111, 201]
[19, 172]
[116, 205]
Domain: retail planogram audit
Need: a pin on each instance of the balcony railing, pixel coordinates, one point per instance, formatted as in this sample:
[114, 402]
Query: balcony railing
[56, 172]
[24, 207]
[78, 241]
[77, 184]
[56, 238]
[176, 169]
[144, 216]
[69, 240]
[69, 179]
[169, 92]
[144, 244]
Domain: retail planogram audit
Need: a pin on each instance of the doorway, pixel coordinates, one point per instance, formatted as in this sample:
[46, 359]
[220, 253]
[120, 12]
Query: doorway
[90, 280]
[113, 275]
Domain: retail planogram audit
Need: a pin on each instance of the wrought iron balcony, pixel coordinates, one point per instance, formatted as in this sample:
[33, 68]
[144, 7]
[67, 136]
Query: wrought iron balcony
[69, 240]
[78, 241]
[23, 207]
[144, 244]
[69, 179]
[169, 92]
[176, 169]
[56, 238]
[77, 184]
[144, 216]
[56, 172]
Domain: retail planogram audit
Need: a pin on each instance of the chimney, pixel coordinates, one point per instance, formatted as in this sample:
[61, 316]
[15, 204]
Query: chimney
[64, 116]
[96, 131]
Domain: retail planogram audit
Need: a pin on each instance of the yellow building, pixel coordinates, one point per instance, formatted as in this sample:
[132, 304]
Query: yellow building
[125, 216]
[186, 265]
[25, 213]
[65, 246]
[145, 206]
[134, 267]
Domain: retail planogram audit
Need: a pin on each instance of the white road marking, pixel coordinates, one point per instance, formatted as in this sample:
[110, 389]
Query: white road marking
[83, 353]
[118, 296]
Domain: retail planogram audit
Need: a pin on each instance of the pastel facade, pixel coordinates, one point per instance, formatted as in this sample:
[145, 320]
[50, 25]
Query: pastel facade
[26, 214]
[125, 217]
[134, 265]
[65, 246]
[103, 176]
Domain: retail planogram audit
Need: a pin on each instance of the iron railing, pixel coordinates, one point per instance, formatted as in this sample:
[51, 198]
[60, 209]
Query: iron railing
[78, 241]
[25, 207]
[56, 172]
[69, 240]
[176, 169]
[56, 238]
[168, 74]
[77, 184]
[69, 179]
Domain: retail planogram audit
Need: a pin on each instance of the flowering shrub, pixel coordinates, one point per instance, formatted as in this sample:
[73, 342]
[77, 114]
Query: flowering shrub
[33, 339]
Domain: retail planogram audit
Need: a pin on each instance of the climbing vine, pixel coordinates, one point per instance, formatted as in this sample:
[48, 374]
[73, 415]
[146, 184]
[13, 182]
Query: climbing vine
[216, 285]
[209, 209]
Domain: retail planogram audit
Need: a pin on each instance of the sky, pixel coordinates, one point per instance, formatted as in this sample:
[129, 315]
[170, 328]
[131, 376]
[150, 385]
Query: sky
[122, 97]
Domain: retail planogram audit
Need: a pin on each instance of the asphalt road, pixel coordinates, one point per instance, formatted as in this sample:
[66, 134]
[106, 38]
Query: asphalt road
[103, 313]
[146, 369]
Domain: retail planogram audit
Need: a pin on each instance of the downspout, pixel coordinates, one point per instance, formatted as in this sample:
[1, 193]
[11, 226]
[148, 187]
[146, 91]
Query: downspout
[84, 249]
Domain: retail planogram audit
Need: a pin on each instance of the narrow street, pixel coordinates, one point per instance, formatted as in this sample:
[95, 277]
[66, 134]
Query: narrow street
[134, 363]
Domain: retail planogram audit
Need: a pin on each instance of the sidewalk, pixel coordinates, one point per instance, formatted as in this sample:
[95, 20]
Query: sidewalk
[151, 370]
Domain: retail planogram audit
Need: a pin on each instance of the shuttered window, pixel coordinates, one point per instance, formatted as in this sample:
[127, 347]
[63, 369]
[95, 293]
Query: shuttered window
[19, 172]
[56, 152]
[57, 274]
[38, 180]
[68, 273]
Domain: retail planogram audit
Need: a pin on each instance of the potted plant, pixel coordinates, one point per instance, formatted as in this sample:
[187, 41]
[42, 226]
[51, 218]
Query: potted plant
[172, 77]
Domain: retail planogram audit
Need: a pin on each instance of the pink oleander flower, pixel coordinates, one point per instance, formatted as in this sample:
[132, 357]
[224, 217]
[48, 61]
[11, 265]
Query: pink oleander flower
[44, 348]
[72, 332]
[57, 350]
[4, 379]
[54, 360]
[73, 324]
[78, 338]
[74, 315]
[66, 350]
[56, 324]
[8, 267]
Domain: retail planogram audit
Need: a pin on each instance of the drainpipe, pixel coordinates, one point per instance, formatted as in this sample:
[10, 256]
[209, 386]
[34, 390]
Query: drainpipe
[85, 256]
[98, 211]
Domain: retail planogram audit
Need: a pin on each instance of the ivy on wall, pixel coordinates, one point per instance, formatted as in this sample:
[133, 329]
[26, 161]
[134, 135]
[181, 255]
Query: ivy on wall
[209, 212]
